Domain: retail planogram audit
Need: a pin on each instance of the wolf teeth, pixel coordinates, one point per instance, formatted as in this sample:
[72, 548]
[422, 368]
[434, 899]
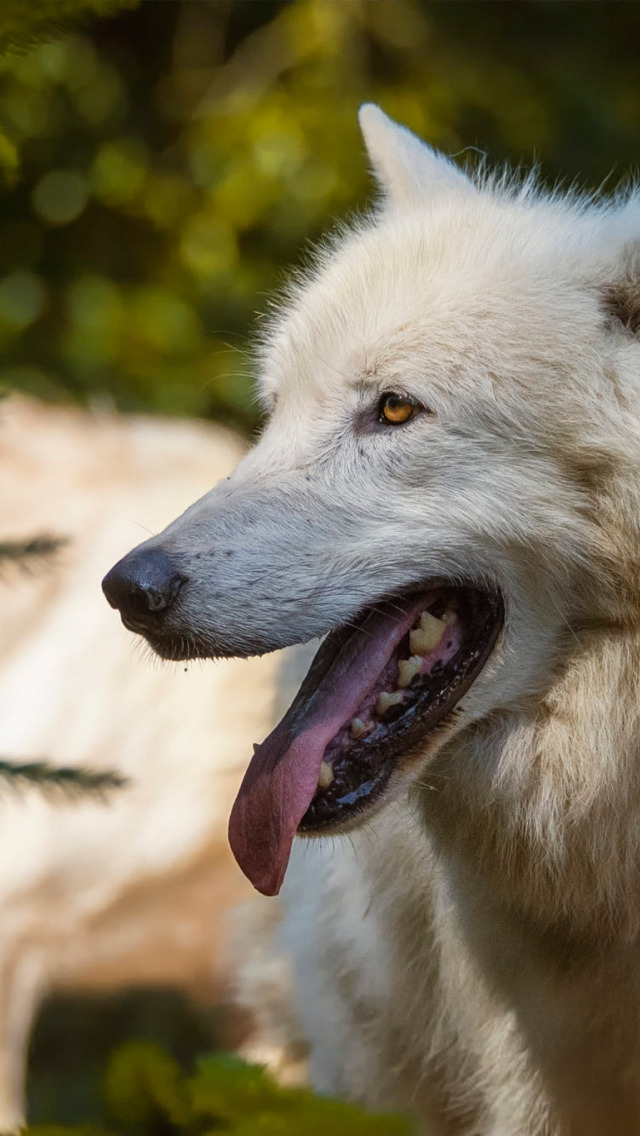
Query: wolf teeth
[326, 775]
[428, 635]
[385, 700]
[407, 668]
[360, 728]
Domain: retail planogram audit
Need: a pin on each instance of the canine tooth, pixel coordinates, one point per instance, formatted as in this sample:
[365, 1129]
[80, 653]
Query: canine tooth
[449, 617]
[360, 728]
[325, 776]
[407, 668]
[385, 700]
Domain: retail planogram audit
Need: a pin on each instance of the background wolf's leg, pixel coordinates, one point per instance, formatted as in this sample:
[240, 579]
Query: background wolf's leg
[22, 984]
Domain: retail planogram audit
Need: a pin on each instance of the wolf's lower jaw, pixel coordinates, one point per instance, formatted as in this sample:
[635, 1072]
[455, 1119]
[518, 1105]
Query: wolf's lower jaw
[377, 697]
[447, 634]
[408, 708]
[377, 700]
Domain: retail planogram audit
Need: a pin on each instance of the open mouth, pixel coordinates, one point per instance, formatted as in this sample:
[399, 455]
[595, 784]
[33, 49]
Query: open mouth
[378, 692]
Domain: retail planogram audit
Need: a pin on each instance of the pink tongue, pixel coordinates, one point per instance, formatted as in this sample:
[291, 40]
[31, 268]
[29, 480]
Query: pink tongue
[283, 775]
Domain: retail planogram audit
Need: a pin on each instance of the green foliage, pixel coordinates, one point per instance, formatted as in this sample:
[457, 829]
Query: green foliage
[146, 1094]
[245, 1101]
[63, 1130]
[23, 22]
[163, 166]
[144, 1090]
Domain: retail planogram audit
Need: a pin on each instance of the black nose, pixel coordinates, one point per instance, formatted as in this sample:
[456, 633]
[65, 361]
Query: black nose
[143, 584]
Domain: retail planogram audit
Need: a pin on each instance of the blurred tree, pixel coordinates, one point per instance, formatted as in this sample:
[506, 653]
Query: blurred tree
[161, 168]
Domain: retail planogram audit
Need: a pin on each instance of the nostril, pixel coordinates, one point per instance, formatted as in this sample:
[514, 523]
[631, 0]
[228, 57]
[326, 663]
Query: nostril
[142, 584]
[157, 600]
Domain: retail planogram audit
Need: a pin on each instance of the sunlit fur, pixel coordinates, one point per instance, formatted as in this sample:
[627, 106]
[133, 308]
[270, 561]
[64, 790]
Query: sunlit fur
[473, 951]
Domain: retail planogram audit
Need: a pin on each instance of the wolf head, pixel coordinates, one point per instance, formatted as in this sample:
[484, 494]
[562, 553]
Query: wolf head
[453, 429]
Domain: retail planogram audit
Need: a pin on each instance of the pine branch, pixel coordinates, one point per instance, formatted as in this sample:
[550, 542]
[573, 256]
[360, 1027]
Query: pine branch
[27, 552]
[63, 780]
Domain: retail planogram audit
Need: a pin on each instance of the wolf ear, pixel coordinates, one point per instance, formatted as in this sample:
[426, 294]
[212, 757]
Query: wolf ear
[408, 171]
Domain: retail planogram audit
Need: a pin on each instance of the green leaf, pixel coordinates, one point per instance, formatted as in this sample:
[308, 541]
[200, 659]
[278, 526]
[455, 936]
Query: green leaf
[249, 1103]
[143, 1087]
[224, 1087]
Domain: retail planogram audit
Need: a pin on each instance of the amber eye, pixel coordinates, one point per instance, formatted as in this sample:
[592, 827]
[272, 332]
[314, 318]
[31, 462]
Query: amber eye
[394, 409]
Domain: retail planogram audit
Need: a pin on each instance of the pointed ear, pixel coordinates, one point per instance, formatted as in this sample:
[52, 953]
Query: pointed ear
[408, 171]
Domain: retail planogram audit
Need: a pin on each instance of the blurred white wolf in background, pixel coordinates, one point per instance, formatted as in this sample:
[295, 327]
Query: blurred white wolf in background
[449, 485]
[133, 890]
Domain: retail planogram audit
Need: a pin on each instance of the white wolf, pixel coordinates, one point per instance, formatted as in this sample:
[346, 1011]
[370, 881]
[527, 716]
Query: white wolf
[448, 484]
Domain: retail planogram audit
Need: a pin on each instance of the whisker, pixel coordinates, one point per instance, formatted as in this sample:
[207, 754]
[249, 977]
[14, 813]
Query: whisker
[390, 603]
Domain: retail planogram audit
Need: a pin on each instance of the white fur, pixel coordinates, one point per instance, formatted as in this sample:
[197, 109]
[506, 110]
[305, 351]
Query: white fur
[472, 951]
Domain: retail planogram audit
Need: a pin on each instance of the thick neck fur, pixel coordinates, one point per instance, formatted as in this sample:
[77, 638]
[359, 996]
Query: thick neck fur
[541, 805]
[536, 819]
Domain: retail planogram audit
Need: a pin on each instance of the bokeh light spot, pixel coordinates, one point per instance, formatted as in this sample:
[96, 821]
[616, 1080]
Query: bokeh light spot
[96, 312]
[119, 171]
[60, 196]
[163, 320]
[208, 246]
[22, 298]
